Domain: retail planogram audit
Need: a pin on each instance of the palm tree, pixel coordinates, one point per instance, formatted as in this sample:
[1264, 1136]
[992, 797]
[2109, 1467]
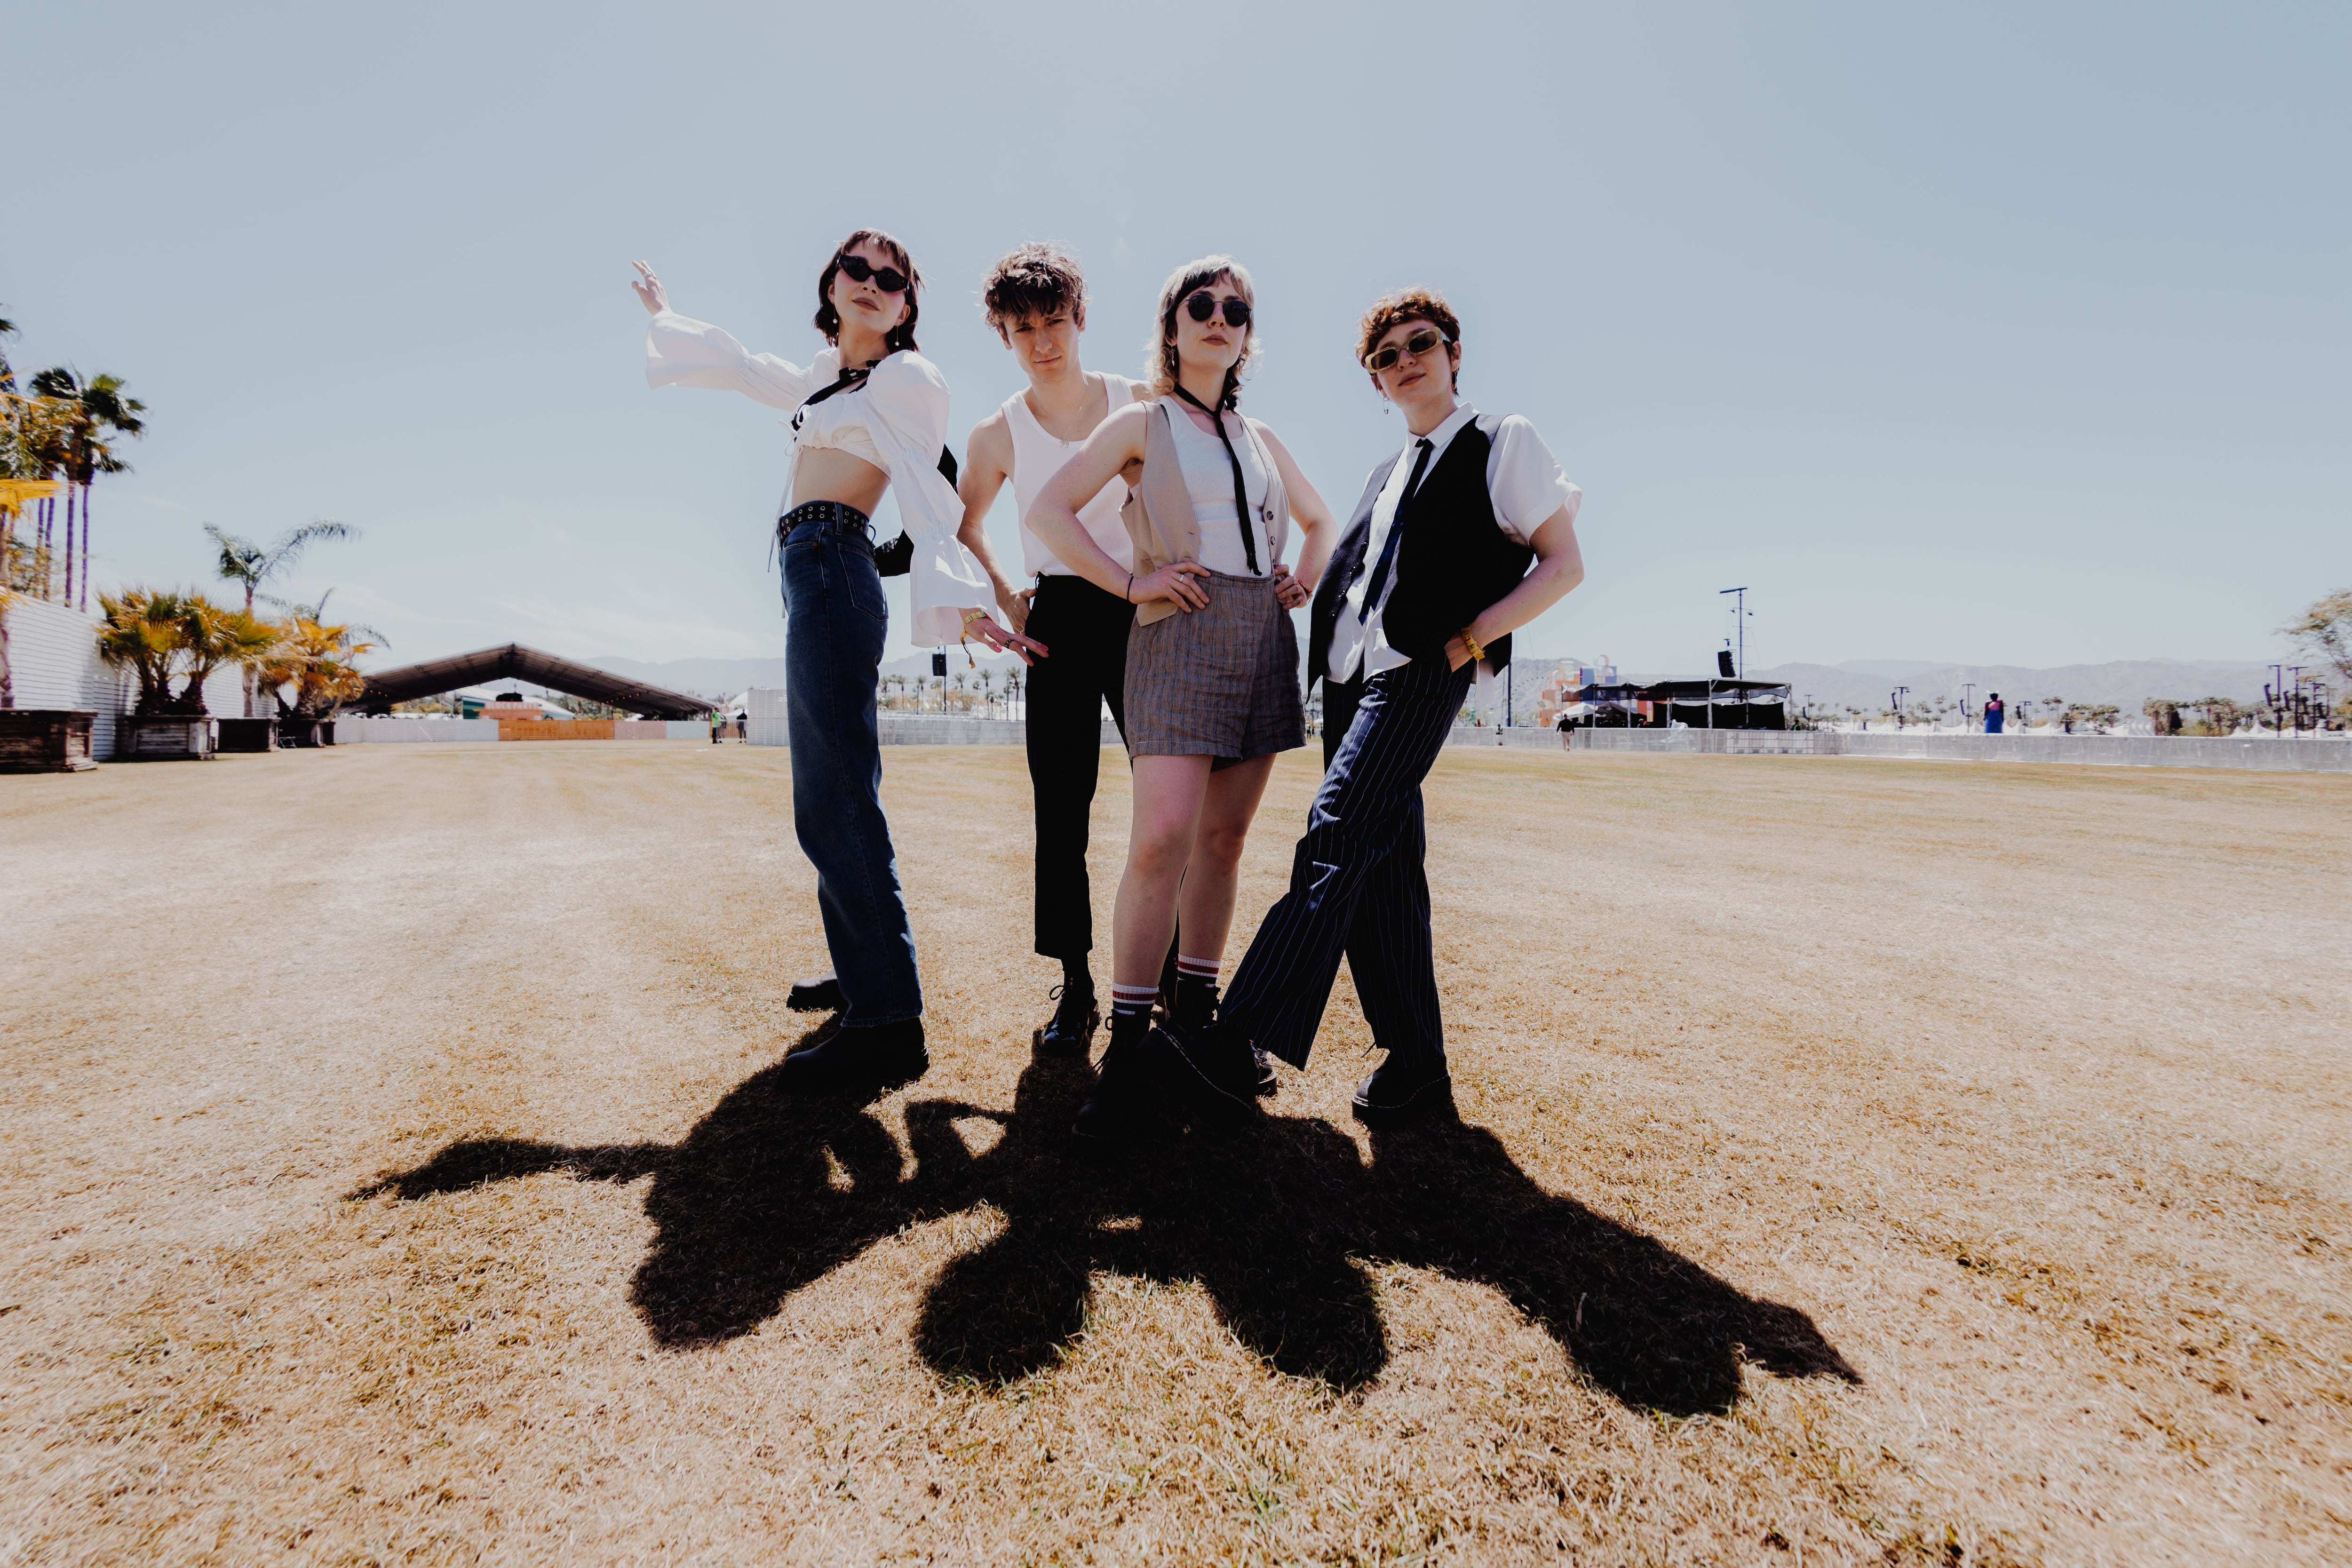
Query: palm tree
[7, 375]
[251, 566]
[99, 407]
[317, 660]
[145, 631]
[213, 636]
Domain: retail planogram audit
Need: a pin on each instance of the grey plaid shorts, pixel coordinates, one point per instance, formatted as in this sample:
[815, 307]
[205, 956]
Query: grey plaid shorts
[1221, 682]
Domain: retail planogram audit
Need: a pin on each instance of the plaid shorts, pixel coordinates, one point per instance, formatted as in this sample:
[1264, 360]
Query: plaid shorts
[1220, 682]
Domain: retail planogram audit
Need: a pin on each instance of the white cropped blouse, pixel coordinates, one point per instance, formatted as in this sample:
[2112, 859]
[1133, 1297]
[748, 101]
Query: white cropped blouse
[897, 420]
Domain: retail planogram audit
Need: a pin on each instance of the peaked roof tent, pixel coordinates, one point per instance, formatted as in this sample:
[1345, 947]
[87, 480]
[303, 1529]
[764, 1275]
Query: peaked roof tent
[514, 661]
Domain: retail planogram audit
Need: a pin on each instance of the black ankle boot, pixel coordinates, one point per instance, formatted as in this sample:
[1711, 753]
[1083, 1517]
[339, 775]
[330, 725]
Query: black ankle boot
[1268, 1086]
[860, 1062]
[1395, 1095]
[1196, 1003]
[1121, 1085]
[1071, 1031]
[821, 995]
[1212, 1069]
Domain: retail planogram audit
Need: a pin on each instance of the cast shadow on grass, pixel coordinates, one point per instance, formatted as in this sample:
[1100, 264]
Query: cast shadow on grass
[1276, 1223]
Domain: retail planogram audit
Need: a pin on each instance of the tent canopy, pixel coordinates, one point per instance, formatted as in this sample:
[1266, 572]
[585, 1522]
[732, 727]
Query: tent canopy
[512, 661]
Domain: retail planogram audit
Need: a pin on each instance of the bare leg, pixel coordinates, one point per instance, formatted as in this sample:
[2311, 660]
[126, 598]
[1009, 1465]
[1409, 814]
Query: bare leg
[1206, 908]
[1168, 793]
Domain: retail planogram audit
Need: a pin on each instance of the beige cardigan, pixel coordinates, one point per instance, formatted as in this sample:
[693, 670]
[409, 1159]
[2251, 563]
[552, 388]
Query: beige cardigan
[1159, 510]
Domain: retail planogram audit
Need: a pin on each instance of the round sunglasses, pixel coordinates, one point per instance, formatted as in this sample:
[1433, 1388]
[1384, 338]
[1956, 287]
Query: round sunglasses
[889, 279]
[1415, 343]
[1204, 305]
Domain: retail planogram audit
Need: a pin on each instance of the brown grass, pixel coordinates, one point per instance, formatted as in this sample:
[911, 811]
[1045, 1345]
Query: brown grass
[1864, 1162]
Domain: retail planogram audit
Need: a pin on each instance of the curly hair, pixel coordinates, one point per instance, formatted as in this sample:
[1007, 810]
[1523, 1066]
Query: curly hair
[1037, 279]
[828, 319]
[1181, 285]
[1399, 306]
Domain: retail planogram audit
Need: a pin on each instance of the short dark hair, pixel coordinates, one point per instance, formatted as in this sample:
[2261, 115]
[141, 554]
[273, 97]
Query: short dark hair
[1037, 279]
[1180, 287]
[1401, 305]
[828, 319]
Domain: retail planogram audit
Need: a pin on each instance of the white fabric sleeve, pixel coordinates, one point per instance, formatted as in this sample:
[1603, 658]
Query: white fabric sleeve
[682, 352]
[1526, 481]
[907, 414]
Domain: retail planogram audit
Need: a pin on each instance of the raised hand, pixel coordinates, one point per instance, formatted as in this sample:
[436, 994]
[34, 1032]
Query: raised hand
[650, 292]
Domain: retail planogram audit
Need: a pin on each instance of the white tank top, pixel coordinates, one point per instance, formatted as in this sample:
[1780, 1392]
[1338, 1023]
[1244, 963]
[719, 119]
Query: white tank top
[1209, 480]
[1037, 455]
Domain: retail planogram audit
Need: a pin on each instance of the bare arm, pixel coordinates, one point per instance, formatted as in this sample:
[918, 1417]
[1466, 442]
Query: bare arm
[1318, 529]
[1115, 448]
[1559, 566]
[987, 464]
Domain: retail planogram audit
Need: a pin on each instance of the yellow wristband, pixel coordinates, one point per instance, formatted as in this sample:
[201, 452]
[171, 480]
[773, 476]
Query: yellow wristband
[1477, 654]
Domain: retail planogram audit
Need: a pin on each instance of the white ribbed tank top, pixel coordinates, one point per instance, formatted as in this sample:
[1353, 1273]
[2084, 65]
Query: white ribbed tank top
[1038, 456]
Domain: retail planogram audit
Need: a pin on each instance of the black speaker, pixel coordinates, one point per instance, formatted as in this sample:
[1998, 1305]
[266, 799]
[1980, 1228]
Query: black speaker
[1723, 664]
[939, 665]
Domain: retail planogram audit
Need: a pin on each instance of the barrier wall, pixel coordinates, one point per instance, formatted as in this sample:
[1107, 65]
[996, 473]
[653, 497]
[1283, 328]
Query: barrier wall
[2330, 756]
[355, 731]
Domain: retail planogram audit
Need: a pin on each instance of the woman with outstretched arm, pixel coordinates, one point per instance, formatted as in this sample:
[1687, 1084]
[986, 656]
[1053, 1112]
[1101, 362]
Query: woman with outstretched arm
[869, 413]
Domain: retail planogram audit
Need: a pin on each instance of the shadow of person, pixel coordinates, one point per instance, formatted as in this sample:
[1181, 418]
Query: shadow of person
[1260, 1222]
[1643, 1323]
[1278, 1223]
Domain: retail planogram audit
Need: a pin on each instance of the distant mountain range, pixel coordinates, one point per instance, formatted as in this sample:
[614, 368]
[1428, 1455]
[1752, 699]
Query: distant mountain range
[1856, 683]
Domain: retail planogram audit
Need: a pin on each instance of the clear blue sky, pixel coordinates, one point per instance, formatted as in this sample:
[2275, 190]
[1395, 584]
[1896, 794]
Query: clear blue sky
[1999, 333]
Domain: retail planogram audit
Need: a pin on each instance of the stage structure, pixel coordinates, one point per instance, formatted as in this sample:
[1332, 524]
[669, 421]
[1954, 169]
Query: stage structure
[512, 661]
[1718, 704]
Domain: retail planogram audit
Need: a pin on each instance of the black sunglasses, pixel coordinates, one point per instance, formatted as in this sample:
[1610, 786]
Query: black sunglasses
[1415, 343]
[889, 279]
[1204, 305]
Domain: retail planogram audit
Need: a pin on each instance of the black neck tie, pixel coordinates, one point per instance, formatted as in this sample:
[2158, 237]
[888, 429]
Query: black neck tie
[1396, 533]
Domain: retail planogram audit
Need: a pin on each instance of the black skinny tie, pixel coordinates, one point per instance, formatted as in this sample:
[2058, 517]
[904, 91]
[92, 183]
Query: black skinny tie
[1241, 492]
[1396, 533]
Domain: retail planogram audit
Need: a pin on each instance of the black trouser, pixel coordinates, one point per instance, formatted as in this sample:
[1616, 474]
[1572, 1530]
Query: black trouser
[1085, 632]
[1356, 881]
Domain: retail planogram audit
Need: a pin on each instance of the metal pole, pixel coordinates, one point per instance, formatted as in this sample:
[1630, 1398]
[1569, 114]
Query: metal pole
[1740, 620]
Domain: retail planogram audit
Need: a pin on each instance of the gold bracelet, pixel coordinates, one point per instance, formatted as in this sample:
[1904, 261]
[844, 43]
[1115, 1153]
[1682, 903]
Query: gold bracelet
[1477, 654]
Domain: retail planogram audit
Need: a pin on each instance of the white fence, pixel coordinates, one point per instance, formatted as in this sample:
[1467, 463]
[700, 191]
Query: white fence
[53, 663]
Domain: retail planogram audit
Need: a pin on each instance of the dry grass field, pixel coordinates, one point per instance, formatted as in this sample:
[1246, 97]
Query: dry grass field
[1860, 1162]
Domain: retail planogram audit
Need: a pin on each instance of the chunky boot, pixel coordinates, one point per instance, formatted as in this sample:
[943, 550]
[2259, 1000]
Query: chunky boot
[1397, 1095]
[1071, 1031]
[822, 994]
[1122, 1090]
[1212, 1069]
[1196, 1003]
[1268, 1086]
[860, 1062]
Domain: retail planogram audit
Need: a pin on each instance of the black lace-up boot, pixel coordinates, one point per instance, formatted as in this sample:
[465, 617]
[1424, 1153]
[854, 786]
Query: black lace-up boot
[1071, 1031]
[860, 1062]
[821, 995]
[1122, 1087]
[1397, 1094]
[1213, 1069]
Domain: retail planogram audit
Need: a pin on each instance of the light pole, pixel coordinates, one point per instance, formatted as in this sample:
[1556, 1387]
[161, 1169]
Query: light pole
[1739, 624]
[1966, 687]
[1895, 701]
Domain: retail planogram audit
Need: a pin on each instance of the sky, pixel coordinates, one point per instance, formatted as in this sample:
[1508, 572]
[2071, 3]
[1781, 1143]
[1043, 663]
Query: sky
[1999, 333]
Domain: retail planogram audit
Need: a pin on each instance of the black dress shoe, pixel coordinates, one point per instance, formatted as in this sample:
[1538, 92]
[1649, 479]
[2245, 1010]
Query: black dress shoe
[1122, 1089]
[822, 994]
[1268, 1086]
[860, 1062]
[1212, 1069]
[1394, 1096]
[1071, 1031]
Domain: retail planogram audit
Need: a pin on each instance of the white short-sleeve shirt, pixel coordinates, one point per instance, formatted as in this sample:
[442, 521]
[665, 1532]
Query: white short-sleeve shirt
[1526, 485]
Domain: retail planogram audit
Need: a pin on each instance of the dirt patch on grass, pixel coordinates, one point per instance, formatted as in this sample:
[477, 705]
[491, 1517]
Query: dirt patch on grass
[1862, 1161]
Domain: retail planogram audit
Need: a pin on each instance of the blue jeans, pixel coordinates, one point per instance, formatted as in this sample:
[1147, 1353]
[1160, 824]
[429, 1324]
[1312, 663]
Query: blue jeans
[836, 620]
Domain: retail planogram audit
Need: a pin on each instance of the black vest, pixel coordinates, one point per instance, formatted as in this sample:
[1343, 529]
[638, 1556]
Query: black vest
[1453, 561]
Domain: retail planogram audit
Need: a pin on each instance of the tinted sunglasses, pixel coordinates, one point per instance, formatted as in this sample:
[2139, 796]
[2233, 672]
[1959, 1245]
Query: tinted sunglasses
[1204, 305]
[1417, 344]
[889, 279]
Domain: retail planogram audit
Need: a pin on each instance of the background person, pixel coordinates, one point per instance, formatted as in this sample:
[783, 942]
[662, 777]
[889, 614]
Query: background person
[1995, 711]
[1213, 661]
[1430, 580]
[869, 414]
[1035, 298]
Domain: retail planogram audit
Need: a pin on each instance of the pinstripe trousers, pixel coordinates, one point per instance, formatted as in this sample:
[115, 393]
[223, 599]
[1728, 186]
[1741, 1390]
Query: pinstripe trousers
[1357, 883]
